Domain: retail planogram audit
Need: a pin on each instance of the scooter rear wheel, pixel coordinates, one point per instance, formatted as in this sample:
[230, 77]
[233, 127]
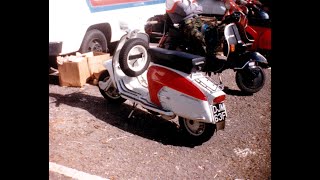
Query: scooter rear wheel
[195, 131]
[110, 93]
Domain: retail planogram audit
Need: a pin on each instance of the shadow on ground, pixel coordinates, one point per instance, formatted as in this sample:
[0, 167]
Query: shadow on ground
[235, 92]
[141, 123]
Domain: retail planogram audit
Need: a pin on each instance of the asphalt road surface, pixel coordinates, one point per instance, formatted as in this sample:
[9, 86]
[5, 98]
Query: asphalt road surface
[90, 138]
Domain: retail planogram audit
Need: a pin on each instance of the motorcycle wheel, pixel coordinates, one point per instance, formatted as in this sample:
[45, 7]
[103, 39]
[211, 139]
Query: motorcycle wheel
[195, 131]
[111, 93]
[134, 58]
[250, 80]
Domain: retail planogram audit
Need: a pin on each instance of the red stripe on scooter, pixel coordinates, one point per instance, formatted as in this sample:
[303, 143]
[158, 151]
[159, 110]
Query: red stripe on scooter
[158, 77]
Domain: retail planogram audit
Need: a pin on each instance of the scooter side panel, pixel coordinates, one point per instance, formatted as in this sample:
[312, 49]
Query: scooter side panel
[159, 77]
[184, 105]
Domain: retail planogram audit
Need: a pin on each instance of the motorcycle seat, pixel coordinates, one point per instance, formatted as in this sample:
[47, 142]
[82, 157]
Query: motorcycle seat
[178, 60]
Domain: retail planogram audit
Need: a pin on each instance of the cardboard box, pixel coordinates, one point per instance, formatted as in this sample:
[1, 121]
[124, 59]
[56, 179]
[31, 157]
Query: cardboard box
[72, 73]
[95, 62]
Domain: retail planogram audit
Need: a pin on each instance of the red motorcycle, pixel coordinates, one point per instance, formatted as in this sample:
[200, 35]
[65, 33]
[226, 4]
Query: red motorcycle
[258, 28]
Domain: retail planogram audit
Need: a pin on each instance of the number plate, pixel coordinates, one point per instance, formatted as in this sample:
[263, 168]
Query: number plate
[219, 112]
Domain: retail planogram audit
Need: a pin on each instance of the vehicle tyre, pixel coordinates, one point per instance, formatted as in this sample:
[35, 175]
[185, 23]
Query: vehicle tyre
[110, 93]
[195, 131]
[250, 80]
[134, 58]
[94, 40]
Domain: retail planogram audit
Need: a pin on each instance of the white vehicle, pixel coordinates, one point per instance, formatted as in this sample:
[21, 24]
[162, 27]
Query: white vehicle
[91, 25]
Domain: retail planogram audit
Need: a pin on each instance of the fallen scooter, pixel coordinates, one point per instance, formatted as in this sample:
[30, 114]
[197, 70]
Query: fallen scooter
[166, 83]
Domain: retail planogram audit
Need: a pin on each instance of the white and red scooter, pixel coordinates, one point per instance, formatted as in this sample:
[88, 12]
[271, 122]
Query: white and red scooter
[167, 83]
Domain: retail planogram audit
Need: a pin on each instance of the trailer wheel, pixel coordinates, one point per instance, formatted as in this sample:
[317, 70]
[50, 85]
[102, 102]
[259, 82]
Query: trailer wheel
[94, 40]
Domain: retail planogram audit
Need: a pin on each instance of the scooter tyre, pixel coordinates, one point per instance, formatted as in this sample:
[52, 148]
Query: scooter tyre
[111, 94]
[196, 138]
[124, 54]
[249, 84]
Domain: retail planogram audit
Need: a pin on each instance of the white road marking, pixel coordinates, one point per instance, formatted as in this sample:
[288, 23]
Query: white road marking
[73, 173]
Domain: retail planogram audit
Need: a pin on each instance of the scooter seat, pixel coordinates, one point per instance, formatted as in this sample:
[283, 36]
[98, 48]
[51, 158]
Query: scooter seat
[178, 60]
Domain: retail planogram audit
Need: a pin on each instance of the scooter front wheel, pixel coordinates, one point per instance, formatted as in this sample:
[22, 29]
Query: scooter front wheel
[251, 79]
[195, 131]
[108, 90]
